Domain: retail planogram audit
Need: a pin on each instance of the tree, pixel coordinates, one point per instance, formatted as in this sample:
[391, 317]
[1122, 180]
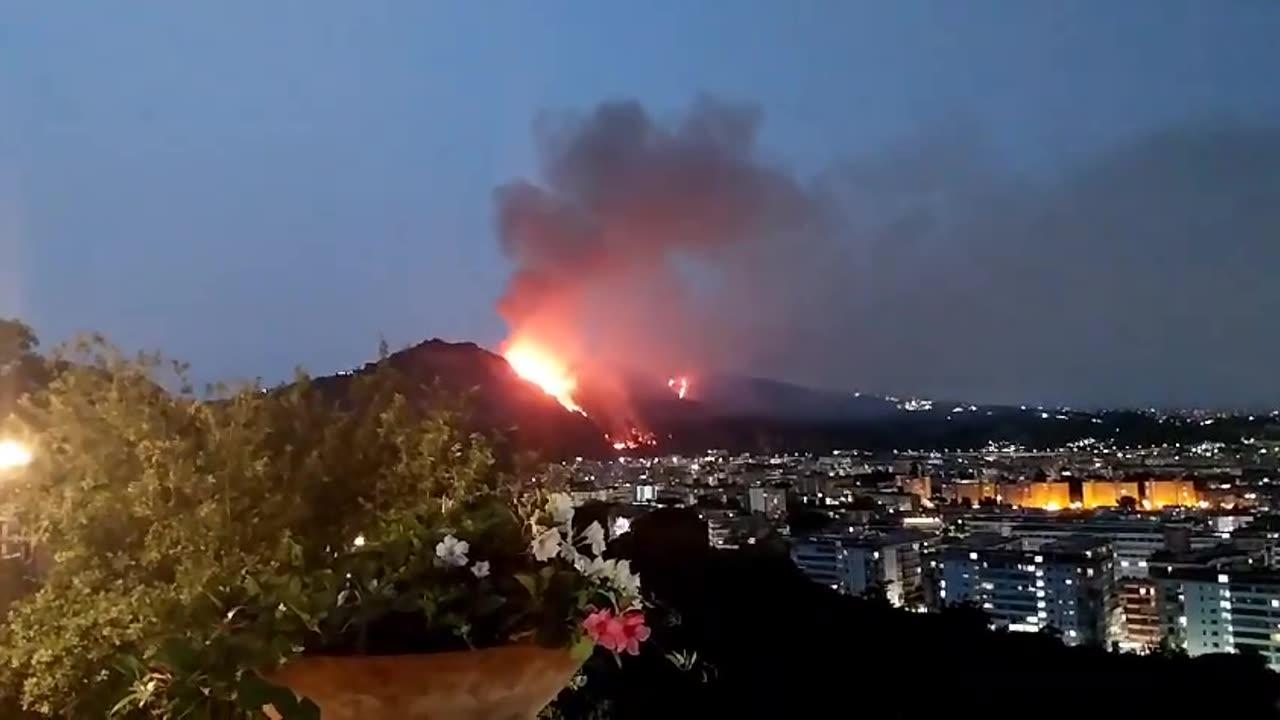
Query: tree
[17, 341]
[21, 369]
[166, 513]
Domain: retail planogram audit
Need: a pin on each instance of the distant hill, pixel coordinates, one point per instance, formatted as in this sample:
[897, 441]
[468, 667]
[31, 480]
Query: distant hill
[496, 399]
[738, 414]
[732, 396]
[760, 415]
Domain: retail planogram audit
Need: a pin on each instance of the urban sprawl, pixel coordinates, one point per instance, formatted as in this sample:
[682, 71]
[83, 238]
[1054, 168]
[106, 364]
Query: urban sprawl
[1132, 549]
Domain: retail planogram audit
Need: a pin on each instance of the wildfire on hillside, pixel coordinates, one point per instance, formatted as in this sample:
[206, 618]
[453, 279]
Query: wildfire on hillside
[538, 363]
[541, 367]
[633, 439]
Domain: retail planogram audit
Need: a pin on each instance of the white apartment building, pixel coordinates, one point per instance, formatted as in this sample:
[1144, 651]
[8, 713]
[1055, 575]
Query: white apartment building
[1027, 586]
[1229, 610]
[769, 501]
[854, 564]
[1132, 541]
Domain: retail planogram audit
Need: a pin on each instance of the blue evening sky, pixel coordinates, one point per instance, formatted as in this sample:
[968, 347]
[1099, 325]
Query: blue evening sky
[253, 185]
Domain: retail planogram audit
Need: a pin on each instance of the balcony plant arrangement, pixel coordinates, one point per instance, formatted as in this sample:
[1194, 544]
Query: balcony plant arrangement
[309, 551]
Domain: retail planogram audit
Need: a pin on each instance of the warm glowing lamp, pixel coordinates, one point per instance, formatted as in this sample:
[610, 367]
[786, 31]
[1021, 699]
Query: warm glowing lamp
[14, 455]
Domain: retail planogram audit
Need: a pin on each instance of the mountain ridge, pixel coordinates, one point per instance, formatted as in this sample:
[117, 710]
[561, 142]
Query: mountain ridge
[743, 414]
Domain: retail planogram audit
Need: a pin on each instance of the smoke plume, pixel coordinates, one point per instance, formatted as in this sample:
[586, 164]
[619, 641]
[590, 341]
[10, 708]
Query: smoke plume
[623, 251]
[1141, 275]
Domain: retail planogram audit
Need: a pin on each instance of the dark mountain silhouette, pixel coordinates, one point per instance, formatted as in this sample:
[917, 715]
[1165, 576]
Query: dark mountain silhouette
[759, 415]
[732, 396]
[737, 414]
[496, 400]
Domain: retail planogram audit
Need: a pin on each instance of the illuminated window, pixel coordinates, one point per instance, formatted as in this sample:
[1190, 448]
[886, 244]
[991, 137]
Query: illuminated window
[973, 556]
[1224, 578]
[1039, 558]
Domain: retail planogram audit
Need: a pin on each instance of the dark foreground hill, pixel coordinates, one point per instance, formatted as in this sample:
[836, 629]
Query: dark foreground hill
[771, 644]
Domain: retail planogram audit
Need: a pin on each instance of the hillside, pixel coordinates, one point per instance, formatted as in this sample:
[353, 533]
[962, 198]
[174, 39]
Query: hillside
[497, 401]
[759, 415]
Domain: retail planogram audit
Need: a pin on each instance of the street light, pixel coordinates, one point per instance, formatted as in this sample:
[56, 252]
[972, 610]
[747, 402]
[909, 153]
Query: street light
[14, 455]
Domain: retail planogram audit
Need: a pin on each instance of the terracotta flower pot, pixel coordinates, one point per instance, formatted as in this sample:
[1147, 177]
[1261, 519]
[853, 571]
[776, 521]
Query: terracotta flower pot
[503, 683]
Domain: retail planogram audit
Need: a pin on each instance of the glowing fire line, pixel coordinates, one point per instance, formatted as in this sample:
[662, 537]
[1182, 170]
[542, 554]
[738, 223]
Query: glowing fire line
[539, 367]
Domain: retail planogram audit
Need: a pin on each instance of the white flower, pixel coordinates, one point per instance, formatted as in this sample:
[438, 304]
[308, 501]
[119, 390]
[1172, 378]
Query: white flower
[480, 569]
[546, 545]
[570, 553]
[625, 581]
[615, 573]
[594, 535]
[452, 551]
[595, 567]
[560, 508]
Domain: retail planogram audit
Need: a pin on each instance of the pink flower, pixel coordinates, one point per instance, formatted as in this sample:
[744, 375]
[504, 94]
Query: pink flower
[617, 634]
[635, 630]
[596, 625]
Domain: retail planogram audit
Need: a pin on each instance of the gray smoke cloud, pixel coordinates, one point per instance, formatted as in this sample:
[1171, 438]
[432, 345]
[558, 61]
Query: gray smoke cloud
[1144, 274]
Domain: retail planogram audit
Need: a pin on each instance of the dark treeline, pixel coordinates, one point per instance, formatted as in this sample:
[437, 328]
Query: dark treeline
[770, 643]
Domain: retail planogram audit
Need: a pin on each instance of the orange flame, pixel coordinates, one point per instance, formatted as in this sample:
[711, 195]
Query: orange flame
[538, 366]
[634, 439]
[679, 385]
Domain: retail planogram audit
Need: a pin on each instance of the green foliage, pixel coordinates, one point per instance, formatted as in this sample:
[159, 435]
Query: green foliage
[17, 340]
[194, 543]
[21, 369]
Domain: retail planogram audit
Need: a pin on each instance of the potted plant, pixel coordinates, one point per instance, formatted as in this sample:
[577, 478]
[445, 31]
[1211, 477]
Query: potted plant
[491, 626]
[335, 550]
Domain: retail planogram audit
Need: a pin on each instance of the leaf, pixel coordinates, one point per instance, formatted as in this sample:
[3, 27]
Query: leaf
[305, 710]
[489, 604]
[178, 654]
[582, 649]
[530, 584]
[255, 692]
